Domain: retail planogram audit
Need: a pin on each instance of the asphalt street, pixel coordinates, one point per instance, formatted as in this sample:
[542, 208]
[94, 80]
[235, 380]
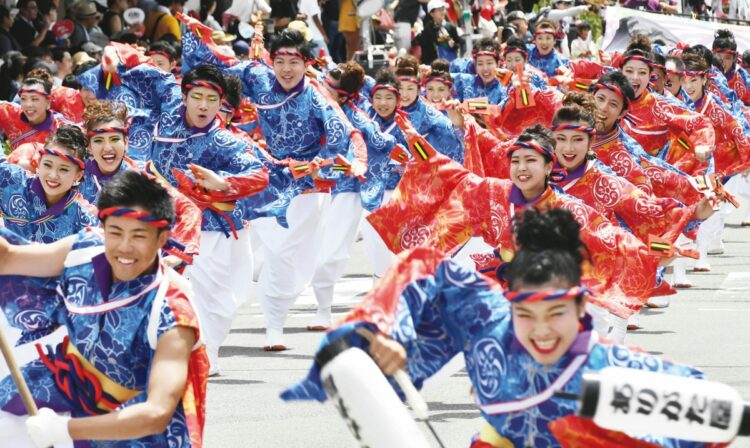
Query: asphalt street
[706, 326]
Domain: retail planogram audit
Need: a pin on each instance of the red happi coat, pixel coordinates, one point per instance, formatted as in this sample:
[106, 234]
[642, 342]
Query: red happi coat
[615, 197]
[653, 122]
[19, 131]
[737, 83]
[512, 119]
[68, 103]
[439, 204]
[658, 180]
[732, 152]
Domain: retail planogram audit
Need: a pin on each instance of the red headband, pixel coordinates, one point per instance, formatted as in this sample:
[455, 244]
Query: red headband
[409, 79]
[133, 214]
[226, 108]
[206, 84]
[539, 296]
[725, 51]
[113, 129]
[387, 87]
[287, 52]
[62, 155]
[330, 83]
[34, 91]
[439, 79]
[541, 32]
[636, 57]
[695, 73]
[660, 67]
[573, 127]
[611, 88]
[533, 146]
[476, 54]
[161, 53]
[515, 50]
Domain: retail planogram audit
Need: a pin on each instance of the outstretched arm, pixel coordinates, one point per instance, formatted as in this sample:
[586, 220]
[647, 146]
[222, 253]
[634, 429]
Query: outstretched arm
[35, 260]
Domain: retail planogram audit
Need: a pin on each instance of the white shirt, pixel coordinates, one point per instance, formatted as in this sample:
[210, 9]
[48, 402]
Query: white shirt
[310, 9]
[244, 9]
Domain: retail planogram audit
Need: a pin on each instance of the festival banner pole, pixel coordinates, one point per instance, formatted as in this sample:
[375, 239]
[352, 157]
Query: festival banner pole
[15, 372]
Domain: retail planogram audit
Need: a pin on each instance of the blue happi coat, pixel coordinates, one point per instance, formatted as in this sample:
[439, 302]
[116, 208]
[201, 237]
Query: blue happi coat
[176, 145]
[140, 121]
[468, 86]
[94, 180]
[451, 310]
[24, 206]
[379, 146]
[548, 63]
[114, 326]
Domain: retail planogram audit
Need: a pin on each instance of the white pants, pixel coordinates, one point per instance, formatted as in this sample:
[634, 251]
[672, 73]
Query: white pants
[221, 282]
[289, 255]
[342, 222]
[381, 257]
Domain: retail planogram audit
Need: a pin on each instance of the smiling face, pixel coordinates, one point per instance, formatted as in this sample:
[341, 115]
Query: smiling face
[529, 171]
[571, 147]
[513, 59]
[727, 61]
[437, 92]
[544, 42]
[201, 106]
[609, 107]
[64, 66]
[693, 86]
[384, 103]
[289, 70]
[486, 68]
[639, 74]
[131, 246]
[57, 175]
[108, 149]
[546, 329]
[34, 105]
[672, 81]
[409, 93]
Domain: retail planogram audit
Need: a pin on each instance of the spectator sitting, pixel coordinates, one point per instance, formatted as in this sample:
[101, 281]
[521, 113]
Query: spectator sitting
[64, 62]
[11, 74]
[24, 30]
[93, 50]
[7, 41]
[86, 17]
[161, 21]
[113, 23]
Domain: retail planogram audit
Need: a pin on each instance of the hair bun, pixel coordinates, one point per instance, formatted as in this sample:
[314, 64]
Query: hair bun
[554, 230]
[640, 42]
[440, 65]
[723, 34]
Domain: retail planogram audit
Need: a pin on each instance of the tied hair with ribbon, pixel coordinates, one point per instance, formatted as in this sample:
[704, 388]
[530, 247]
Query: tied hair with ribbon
[538, 296]
[386, 87]
[612, 88]
[206, 84]
[33, 91]
[109, 129]
[134, 214]
[70, 158]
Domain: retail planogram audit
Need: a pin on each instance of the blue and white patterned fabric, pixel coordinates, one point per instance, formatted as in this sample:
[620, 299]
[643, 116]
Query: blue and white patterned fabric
[94, 180]
[140, 126]
[471, 86]
[111, 325]
[176, 145]
[23, 202]
[548, 63]
[454, 311]
[379, 147]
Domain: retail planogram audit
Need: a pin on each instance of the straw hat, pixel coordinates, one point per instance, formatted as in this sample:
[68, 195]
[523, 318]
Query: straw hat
[85, 9]
[300, 26]
[81, 57]
[222, 38]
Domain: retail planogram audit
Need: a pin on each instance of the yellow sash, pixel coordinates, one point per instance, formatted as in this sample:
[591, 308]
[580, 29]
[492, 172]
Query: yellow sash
[120, 393]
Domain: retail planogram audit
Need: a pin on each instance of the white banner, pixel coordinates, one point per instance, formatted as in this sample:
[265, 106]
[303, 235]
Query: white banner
[625, 22]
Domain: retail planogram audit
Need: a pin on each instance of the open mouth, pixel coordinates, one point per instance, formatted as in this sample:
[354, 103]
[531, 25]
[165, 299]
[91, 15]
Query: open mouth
[545, 347]
[52, 184]
[125, 261]
[569, 157]
[109, 158]
[523, 177]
